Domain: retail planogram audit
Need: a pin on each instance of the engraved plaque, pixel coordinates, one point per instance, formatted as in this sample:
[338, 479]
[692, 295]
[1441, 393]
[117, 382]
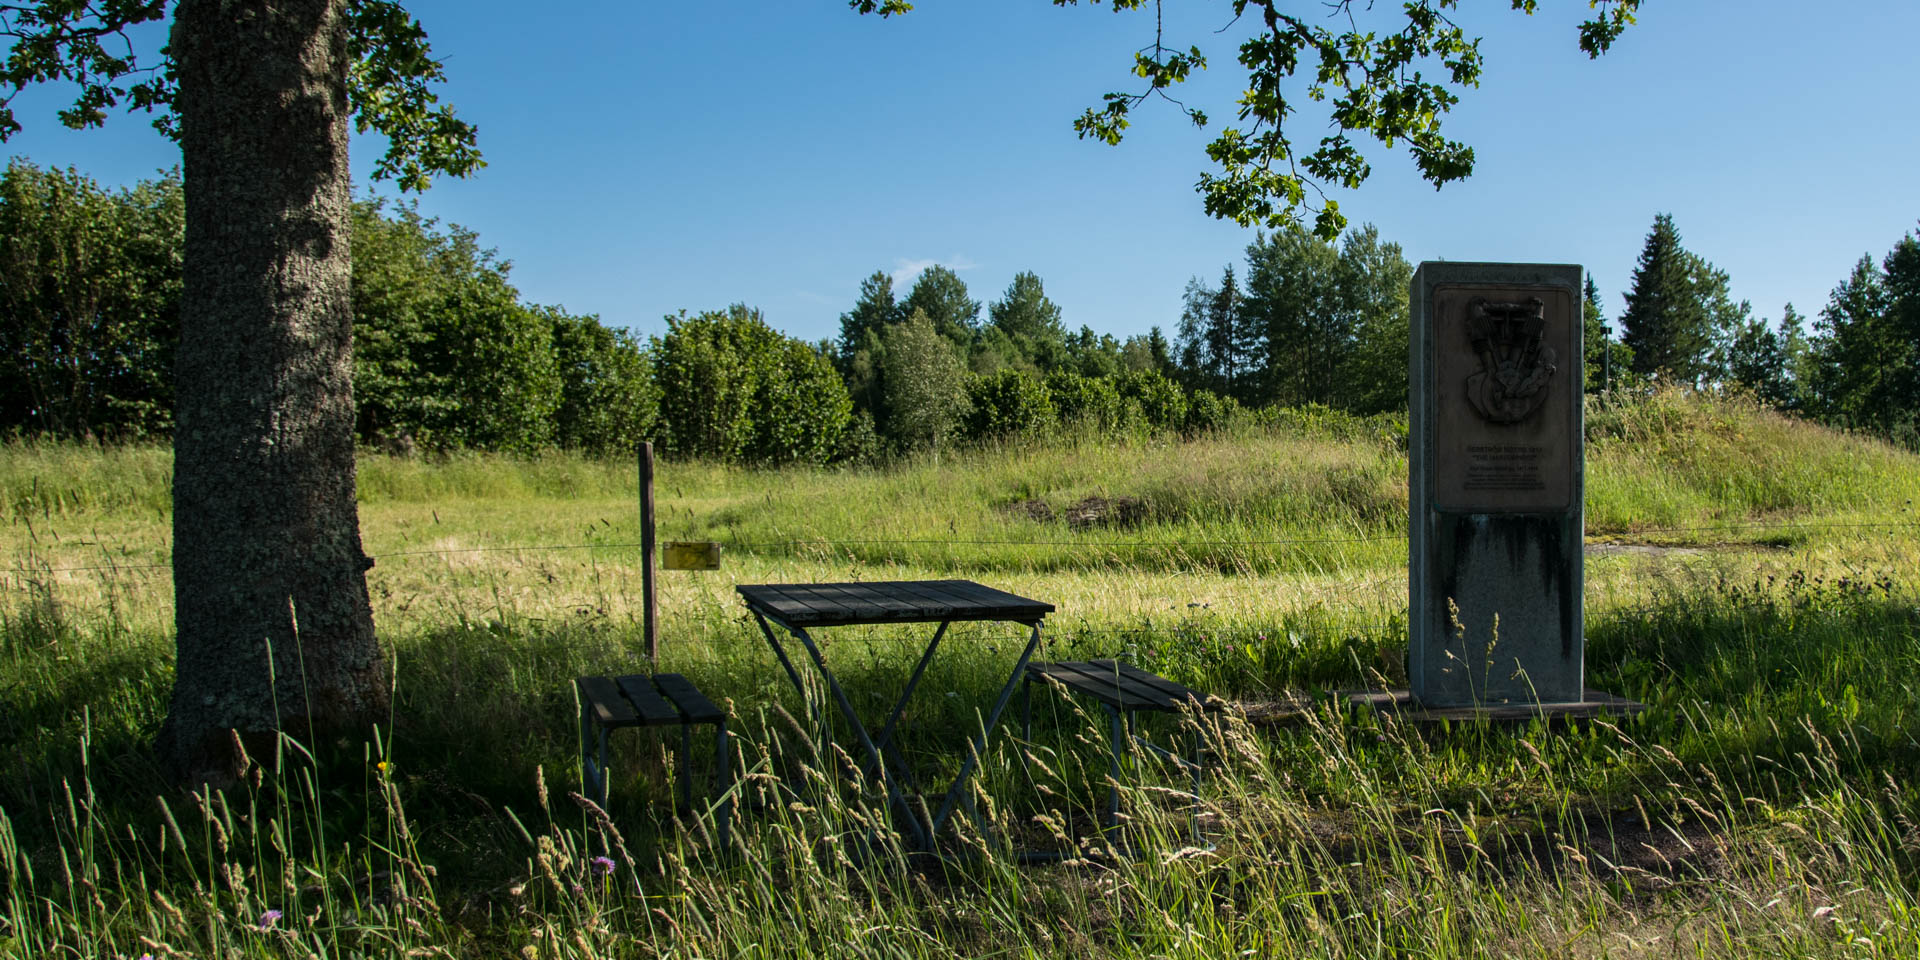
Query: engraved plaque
[1505, 372]
[690, 555]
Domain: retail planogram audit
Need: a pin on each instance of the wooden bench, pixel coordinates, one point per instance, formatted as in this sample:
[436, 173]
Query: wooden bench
[657, 700]
[1124, 689]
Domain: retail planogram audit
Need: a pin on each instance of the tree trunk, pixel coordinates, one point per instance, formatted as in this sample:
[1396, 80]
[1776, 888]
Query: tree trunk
[274, 627]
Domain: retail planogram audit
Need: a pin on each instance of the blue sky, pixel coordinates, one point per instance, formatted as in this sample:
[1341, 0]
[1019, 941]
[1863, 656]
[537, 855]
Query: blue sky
[647, 158]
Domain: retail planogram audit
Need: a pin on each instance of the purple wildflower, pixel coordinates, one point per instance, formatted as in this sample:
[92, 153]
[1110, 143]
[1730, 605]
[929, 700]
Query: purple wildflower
[268, 919]
[604, 865]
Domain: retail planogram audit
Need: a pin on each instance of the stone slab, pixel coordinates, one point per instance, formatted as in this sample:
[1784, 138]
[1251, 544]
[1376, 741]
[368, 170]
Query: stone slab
[1495, 485]
[1592, 703]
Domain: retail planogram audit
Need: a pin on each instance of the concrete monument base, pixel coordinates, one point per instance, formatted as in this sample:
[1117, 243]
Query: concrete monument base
[1592, 703]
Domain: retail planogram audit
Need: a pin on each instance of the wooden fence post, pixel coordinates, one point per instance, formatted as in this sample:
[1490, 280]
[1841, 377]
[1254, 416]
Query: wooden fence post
[651, 618]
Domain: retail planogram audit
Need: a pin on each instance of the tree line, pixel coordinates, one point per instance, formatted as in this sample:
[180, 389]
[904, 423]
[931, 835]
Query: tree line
[1858, 367]
[448, 355]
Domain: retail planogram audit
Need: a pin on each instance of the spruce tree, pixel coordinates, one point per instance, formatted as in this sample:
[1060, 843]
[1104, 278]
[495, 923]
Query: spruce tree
[1030, 322]
[1594, 337]
[1667, 324]
[874, 311]
[1864, 368]
[942, 296]
[1226, 341]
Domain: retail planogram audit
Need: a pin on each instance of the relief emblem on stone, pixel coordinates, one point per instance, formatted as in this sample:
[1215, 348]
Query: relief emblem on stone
[1515, 363]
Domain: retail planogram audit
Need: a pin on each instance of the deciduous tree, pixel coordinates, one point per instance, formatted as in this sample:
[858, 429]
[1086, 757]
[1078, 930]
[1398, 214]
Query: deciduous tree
[925, 383]
[274, 630]
[89, 304]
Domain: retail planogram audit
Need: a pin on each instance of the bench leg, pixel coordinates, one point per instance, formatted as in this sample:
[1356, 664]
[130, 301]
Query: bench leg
[589, 776]
[1117, 720]
[593, 759]
[1026, 708]
[723, 781]
[686, 766]
[1193, 820]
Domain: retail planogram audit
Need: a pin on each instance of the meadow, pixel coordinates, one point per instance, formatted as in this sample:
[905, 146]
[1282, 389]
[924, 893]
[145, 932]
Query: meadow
[1754, 579]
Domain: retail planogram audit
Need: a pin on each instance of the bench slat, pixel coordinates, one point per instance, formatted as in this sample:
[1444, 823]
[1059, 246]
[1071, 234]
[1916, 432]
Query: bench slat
[609, 708]
[654, 710]
[1146, 697]
[1101, 688]
[692, 703]
[1122, 685]
[1179, 693]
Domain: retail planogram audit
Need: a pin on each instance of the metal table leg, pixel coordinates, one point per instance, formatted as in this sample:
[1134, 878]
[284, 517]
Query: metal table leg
[979, 745]
[900, 706]
[894, 797]
[723, 780]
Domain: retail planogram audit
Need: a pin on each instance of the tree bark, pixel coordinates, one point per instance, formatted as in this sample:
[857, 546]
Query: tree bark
[275, 631]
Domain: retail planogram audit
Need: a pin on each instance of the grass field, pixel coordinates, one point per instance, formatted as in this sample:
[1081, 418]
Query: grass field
[1755, 580]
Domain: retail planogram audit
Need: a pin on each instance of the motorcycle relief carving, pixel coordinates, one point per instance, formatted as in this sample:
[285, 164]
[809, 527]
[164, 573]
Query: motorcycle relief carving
[1515, 364]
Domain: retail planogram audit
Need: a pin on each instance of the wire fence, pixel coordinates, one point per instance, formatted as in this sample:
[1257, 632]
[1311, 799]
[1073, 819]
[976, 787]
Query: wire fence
[1169, 545]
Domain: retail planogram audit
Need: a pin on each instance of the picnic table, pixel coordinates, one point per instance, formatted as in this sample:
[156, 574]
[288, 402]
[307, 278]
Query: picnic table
[800, 608]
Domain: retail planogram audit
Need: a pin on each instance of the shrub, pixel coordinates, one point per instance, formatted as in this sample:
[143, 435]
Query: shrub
[1208, 411]
[1007, 404]
[1159, 400]
[1091, 403]
[734, 390]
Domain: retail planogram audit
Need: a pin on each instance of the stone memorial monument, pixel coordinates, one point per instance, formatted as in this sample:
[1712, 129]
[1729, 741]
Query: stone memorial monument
[1495, 451]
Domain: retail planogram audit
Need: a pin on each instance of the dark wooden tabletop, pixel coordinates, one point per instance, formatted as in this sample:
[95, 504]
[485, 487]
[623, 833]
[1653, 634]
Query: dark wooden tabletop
[888, 601]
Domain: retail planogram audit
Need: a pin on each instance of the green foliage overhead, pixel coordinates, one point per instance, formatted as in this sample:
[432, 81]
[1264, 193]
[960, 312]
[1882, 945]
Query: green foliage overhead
[1370, 70]
[389, 87]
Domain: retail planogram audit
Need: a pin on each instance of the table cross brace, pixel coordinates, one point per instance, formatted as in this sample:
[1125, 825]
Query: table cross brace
[877, 748]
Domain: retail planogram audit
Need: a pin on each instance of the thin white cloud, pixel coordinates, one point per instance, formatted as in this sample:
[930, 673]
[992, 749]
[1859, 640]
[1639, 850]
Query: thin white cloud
[906, 271]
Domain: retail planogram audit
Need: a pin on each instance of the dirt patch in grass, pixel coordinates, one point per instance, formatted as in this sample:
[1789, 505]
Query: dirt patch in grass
[1093, 512]
[1035, 509]
[1087, 513]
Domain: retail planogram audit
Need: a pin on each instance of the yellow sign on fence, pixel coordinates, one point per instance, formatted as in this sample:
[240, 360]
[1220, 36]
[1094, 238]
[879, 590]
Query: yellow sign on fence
[690, 555]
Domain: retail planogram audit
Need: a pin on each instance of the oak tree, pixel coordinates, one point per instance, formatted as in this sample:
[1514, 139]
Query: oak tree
[274, 630]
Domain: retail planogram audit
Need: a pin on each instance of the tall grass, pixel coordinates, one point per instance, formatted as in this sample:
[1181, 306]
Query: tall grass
[1764, 806]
